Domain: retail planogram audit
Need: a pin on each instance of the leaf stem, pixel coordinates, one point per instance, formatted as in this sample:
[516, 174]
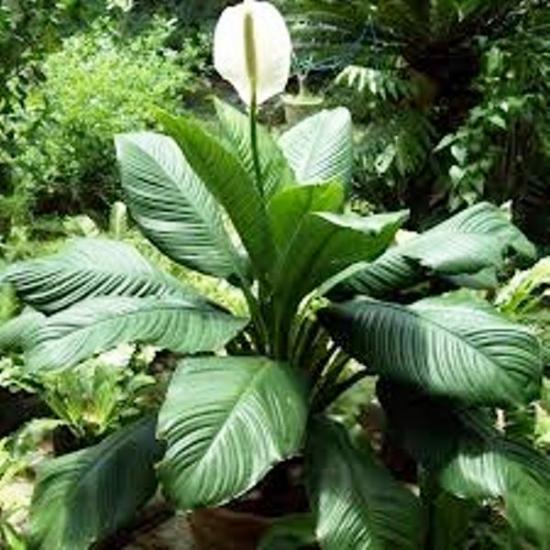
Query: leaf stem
[329, 389]
[323, 362]
[259, 329]
[305, 340]
[336, 391]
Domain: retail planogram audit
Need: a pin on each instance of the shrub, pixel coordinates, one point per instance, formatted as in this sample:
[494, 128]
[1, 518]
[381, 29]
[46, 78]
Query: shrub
[29, 30]
[100, 83]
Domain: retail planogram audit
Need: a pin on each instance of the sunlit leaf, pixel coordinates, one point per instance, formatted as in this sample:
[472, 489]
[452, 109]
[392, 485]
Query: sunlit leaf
[89, 268]
[443, 346]
[227, 421]
[100, 324]
[172, 206]
[321, 148]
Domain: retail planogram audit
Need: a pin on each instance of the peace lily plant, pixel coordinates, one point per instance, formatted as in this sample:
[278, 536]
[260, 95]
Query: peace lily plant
[322, 285]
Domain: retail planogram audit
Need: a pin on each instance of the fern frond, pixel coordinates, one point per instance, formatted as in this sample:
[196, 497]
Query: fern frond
[384, 84]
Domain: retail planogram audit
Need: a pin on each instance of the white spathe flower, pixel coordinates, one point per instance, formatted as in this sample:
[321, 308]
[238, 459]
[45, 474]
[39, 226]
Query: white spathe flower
[253, 50]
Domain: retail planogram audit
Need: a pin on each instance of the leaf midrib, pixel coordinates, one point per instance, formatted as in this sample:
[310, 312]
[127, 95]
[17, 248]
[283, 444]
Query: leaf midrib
[99, 456]
[306, 163]
[408, 311]
[241, 396]
[214, 229]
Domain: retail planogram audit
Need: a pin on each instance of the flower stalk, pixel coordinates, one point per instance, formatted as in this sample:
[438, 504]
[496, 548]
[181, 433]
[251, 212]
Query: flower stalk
[254, 143]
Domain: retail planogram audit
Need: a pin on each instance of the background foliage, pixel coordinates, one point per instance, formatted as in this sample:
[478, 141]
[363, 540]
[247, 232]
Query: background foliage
[99, 84]
[64, 99]
[453, 98]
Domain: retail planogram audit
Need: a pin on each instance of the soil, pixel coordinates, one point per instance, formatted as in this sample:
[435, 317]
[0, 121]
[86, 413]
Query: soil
[173, 534]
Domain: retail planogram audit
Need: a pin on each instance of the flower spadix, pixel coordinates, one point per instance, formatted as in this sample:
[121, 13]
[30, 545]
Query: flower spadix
[252, 50]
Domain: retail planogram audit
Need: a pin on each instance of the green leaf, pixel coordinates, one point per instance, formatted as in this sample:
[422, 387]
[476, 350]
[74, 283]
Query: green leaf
[82, 497]
[470, 243]
[446, 142]
[227, 421]
[10, 537]
[275, 171]
[226, 178]
[389, 273]
[100, 324]
[289, 207]
[471, 459]
[325, 245]
[446, 348]
[321, 147]
[498, 120]
[356, 501]
[89, 268]
[469, 249]
[172, 206]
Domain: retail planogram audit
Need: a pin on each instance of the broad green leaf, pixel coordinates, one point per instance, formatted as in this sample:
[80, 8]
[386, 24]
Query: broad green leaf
[526, 292]
[172, 206]
[89, 268]
[356, 501]
[321, 147]
[289, 207]
[275, 171]
[444, 347]
[471, 459]
[469, 243]
[469, 249]
[12, 538]
[100, 324]
[226, 178]
[227, 421]
[82, 497]
[325, 245]
[525, 299]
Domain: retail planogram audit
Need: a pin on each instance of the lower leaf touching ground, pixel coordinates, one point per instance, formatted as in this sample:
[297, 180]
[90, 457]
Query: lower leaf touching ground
[356, 501]
[82, 497]
[469, 458]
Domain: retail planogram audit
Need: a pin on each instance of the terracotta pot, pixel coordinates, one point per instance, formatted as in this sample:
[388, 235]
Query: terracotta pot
[225, 529]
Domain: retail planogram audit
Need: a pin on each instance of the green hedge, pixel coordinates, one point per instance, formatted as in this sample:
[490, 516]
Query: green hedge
[100, 83]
